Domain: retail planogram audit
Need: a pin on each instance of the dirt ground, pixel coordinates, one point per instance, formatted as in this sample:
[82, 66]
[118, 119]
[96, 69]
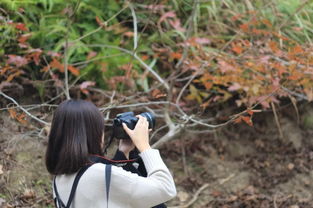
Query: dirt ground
[237, 166]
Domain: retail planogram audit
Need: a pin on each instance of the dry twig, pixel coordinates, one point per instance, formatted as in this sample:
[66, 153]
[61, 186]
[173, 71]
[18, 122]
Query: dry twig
[194, 198]
[24, 110]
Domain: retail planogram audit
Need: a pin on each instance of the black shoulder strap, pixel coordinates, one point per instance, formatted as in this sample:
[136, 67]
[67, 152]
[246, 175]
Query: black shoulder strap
[108, 170]
[75, 183]
[58, 200]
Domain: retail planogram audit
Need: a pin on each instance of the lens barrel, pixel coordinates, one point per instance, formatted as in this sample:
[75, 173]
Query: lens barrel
[130, 120]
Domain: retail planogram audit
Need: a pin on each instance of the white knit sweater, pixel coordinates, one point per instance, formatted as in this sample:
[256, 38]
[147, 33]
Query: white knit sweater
[127, 190]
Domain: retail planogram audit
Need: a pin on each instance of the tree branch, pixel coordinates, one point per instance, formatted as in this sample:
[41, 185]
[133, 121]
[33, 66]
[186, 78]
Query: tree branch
[24, 110]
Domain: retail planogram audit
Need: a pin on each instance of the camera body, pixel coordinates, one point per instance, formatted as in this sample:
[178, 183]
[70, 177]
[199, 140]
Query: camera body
[130, 120]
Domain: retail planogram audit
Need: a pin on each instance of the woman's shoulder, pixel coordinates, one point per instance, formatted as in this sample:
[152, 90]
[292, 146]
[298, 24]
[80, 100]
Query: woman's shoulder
[97, 172]
[99, 169]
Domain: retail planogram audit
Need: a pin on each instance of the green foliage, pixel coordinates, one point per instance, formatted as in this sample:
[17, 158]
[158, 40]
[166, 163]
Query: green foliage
[209, 30]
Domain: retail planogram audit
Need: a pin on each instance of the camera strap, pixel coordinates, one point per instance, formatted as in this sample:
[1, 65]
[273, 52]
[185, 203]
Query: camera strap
[57, 200]
[104, 160]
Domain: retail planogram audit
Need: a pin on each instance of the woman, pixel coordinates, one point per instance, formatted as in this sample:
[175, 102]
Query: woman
[77, 133]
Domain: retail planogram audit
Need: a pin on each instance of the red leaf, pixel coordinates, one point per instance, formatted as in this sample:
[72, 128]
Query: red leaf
[250, 112]
[35, 55]
[247, 119]
[17, 60]
[23, 38]
[21, 26]
[83, 86]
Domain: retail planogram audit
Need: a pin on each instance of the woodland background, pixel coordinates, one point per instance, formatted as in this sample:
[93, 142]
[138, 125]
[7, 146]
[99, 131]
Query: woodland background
[230, 82]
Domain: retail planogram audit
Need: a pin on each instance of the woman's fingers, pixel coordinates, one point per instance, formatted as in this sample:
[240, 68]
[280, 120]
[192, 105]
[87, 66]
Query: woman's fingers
[141, 122]
[125, 127]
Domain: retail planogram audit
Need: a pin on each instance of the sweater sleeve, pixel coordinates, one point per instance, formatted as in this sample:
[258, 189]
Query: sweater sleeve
[144, 192]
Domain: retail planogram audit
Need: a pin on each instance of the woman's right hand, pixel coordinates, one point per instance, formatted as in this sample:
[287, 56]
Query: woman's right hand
[140, 134]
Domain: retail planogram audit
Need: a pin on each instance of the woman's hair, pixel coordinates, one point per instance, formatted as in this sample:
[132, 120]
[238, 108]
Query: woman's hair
[76, 133]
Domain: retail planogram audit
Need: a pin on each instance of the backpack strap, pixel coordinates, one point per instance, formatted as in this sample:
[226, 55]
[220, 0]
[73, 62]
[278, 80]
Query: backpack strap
[57, 200]
[75, 183]
[108, 171]
[59, 203]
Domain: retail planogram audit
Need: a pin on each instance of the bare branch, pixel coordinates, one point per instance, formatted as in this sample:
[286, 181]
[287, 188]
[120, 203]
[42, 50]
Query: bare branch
[194, 198]
[23, 109]
[300, 96]
[135, 27]
[134, 105]
[174, 129]
[65, 60]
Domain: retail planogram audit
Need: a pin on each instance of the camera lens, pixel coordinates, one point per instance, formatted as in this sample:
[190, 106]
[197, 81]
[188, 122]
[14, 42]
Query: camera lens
[150, 118]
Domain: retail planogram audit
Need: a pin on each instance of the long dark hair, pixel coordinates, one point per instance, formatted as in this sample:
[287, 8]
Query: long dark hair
[76, 131]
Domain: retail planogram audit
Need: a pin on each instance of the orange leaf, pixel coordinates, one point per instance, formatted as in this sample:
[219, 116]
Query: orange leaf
[73, 70]
[236, 17]
[250, 112]
[175, 55]
[144, 57]
[244, 27]
[247, 119]
[156, 93]
[237, 48]
[100, 23]
[24, 38]
[237, 120]
[45, 69]
[273, 46]
[21, 118]
[297, 49]
[11, 77]
[4, 69]
[280, 36]
[267, 22]
[12, 113]
[208, 85]
[57, 65]
[128, 34]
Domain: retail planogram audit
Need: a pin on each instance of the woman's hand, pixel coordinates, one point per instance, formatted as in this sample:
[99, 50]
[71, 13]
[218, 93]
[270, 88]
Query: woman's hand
[140, 134]
[126, 146]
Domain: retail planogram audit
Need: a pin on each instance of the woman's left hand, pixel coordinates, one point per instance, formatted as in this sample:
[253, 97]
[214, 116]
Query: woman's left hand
[125, 146]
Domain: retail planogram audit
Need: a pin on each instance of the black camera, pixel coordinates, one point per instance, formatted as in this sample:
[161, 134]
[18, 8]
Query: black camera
[130, 120]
